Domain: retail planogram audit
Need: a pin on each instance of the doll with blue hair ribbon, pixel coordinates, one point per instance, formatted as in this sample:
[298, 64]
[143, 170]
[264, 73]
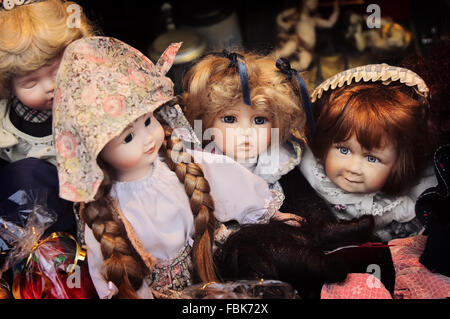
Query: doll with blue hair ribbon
[256, 110]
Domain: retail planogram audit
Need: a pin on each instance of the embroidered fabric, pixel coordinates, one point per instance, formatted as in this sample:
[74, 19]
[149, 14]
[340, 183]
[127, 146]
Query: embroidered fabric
[174, 274]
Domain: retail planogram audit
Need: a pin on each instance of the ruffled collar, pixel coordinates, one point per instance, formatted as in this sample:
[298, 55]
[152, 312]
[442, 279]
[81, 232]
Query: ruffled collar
[141, 183]
[272, 168]
[371, 203]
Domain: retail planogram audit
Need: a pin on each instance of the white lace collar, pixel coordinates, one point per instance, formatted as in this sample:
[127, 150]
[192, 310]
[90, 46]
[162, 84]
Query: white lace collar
[272, 168]
[372, 203]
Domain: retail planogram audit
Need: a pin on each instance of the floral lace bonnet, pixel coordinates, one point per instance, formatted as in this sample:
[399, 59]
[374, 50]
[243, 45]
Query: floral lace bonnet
[372, 73]
[102, 86]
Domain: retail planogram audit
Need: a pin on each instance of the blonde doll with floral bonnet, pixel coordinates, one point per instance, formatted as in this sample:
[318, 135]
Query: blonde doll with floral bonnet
[147, 203]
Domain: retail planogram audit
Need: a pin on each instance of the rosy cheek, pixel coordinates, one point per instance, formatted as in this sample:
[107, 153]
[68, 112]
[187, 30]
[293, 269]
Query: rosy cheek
[127, 163]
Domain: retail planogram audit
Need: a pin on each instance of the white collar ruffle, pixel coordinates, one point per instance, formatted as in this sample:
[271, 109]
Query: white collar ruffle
[375, 204]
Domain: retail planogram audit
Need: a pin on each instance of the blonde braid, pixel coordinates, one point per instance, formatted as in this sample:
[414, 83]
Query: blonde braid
[201, 202]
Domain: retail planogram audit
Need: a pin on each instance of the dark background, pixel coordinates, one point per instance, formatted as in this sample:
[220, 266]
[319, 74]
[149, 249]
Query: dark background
[138, 23]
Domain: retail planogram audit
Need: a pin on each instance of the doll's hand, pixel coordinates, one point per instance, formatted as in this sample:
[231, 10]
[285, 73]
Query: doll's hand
[290, 219]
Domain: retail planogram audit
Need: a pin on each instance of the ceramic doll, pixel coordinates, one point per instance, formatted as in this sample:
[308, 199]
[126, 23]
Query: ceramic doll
[254, 108]
[133, 175]
[33, 35]
[371, 146]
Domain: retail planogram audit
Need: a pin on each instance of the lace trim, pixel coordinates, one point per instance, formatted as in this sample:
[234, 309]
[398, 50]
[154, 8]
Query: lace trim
[370, 73]
[379, 209]
[284, 167]
[272, 205]
[326, 184]
[331, 190]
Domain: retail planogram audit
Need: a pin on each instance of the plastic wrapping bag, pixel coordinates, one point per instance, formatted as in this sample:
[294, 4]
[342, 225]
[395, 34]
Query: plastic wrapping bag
[54, 270]
[241, 289]
[43, 268]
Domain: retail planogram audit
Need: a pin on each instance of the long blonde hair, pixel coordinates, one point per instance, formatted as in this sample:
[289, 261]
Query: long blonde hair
[31, 35]
[211, 86]
[123, 265]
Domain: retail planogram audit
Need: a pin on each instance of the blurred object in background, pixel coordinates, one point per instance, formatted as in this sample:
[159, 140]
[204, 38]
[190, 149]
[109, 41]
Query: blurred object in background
[431, 22]
[297, 32]
[216, 22]
[194, 46]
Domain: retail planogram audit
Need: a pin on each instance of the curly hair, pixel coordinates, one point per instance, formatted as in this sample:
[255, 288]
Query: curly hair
[122, 263]
[211, 86]
[34, 34]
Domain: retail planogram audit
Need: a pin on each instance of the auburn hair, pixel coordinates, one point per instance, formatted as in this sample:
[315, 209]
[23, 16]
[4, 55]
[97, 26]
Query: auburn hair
[34, 34]
[122, 264]
[210, 87]
[376, 114]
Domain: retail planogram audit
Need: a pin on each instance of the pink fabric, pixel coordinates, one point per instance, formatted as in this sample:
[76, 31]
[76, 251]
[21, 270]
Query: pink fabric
[356, 286]
[413, 280]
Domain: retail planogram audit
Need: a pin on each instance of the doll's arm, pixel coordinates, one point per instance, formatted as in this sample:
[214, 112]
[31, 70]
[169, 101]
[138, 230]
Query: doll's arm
[331, 21]
[288, 218]
[104, 289]
[238, 194]
[95, 262]
[283, 20]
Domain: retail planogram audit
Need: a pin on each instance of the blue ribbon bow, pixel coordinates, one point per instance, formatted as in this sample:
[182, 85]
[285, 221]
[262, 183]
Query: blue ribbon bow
[285, 67]
[239, 60]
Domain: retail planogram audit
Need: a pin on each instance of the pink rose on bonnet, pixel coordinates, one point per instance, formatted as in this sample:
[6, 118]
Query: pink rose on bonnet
[98, 101]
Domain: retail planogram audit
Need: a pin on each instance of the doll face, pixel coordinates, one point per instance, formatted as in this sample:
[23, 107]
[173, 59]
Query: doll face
[133, 151]
[241, 132]
[357, 170]
[35, 88]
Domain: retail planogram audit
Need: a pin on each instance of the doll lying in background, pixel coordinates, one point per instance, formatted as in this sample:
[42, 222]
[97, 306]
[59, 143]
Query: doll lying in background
[371, 145]
[253, 107]
[33, 36]
[150, 215]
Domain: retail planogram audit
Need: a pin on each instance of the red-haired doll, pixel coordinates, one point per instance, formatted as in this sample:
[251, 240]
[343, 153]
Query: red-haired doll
[371, 146]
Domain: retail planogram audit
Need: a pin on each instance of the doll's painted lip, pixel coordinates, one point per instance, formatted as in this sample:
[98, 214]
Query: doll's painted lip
[150, 150]
[354, 182]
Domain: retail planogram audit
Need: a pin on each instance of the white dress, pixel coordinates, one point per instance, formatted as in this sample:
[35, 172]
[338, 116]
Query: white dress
[158, 209]
[385, 209]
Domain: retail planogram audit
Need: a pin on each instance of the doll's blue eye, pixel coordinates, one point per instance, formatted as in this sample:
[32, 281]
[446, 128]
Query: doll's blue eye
[229, 119]
[372, 159]
[343, 150]
[260, 120]
[128, 138]
[147, 122]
